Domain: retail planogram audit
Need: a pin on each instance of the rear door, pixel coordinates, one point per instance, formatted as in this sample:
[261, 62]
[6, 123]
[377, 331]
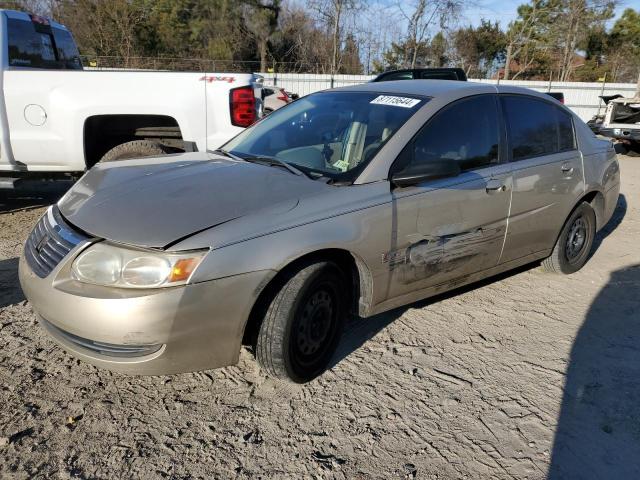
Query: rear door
[453, 227]
[547, 173]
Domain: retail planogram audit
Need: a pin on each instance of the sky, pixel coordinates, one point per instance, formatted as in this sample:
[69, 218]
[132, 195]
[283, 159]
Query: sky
[505, 11]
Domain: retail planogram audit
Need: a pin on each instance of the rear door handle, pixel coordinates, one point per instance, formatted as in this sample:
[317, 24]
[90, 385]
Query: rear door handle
[495, 186]
[567, 169]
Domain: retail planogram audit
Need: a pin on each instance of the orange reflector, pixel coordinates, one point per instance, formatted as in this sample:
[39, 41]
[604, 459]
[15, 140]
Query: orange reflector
[183, 269]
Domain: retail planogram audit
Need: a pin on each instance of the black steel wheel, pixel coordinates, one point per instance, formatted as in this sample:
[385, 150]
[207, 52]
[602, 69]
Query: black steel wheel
[303, 323]
[573, 247]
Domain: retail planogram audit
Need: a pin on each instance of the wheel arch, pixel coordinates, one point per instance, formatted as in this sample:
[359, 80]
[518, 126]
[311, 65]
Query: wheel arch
[596, 199]
[354, 268]
[103, 132]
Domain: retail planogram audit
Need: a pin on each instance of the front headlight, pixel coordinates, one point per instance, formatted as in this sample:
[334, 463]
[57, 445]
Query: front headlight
[106, 264]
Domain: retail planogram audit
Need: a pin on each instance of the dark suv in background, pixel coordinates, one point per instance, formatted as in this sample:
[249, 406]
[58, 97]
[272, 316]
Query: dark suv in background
[422, 74]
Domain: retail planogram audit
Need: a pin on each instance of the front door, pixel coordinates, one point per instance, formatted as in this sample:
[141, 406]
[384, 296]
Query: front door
[450, 228]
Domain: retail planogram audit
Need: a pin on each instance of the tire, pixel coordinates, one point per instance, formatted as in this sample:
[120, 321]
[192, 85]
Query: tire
[633, 150]
[135, 149]
[620, 148]
[573, 247]
[303, 323]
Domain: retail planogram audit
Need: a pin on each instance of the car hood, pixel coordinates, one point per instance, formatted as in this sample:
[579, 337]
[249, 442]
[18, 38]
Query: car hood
[155, 202]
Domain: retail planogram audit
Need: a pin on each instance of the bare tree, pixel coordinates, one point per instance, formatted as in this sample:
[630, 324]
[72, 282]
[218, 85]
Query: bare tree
[261, 19]
[422, 15]
[521, 37]
[572, 25]
[332, 14]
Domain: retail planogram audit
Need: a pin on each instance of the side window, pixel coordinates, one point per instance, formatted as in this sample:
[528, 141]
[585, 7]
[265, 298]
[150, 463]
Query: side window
[536, 127]
[467, 132]
[427, 75]
[566, 137]
[398, 76]
[41, 46]
[29, 48]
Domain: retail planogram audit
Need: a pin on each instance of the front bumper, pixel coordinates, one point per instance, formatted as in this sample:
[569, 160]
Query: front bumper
[146, 332]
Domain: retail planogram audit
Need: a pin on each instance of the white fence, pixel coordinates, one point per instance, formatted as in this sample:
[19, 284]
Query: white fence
[581, 97]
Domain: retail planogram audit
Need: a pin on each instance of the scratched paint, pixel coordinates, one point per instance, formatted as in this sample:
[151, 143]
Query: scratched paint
[436, 258]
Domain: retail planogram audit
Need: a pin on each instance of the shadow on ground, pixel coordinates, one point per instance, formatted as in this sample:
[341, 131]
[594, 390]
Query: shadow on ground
[33, 194]
[359, 330]
[598, 432]
[10, 291]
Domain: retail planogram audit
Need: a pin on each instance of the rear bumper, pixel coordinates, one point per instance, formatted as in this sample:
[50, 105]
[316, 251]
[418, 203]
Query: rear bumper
[146, 332]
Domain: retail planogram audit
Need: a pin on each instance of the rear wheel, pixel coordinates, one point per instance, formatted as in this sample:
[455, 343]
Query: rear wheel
[303, 323]
[135, 149]
[573, 246]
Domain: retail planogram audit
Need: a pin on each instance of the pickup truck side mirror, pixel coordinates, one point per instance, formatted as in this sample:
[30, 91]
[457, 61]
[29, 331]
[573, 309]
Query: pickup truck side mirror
[419, 172]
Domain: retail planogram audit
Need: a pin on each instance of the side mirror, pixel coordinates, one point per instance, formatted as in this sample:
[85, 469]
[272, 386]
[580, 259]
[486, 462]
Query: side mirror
[421, 172]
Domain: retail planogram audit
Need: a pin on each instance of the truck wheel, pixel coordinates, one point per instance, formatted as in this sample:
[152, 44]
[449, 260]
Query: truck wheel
[303, 323]
[135, 149]
[573, 246]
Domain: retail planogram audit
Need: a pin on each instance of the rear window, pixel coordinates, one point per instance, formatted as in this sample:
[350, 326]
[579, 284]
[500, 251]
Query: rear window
[41, 46]
[537, 127]
[397, 76]
[427, 75]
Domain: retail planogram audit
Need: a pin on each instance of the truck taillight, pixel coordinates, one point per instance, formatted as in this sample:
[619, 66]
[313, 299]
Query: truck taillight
[242, 104]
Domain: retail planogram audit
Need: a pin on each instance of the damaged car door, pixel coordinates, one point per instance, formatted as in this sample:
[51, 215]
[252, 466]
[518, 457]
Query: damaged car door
[451, 222]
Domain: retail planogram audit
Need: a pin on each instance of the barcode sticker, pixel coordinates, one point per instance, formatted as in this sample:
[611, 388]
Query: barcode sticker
[394, 101]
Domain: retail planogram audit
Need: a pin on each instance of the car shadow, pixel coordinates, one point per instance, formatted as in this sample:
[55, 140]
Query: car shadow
[10, 291]
[359, 330]
[598, 431]
[31, 194]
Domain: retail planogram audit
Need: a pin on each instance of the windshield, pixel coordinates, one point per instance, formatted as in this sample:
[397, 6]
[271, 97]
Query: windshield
[332, 134]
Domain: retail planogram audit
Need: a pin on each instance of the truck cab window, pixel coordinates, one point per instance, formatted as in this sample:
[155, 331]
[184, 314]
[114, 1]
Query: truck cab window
[36, 46]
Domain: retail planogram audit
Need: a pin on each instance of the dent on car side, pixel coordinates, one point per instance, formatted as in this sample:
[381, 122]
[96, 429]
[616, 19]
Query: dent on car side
[402, 253]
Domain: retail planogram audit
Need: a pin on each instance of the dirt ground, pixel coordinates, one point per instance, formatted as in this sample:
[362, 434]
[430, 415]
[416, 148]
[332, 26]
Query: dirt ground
[526, 376]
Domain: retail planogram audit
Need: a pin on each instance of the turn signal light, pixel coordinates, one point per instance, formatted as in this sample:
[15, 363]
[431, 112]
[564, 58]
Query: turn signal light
[183, 269]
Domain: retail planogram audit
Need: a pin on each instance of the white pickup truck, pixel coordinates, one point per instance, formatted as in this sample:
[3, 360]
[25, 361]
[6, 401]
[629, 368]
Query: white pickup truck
[57, 117]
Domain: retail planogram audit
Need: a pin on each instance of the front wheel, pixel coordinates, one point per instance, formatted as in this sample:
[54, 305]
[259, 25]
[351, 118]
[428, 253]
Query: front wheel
[303, 323]
[573, 246]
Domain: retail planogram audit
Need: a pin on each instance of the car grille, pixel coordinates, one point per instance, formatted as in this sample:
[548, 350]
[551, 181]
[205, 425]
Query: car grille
[107, 349]
[49, 242]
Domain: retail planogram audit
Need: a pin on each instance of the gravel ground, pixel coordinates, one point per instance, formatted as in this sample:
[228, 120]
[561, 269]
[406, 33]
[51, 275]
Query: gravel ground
[526, 376]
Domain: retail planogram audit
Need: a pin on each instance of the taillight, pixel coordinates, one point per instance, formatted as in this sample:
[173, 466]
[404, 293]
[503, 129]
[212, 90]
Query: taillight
[283, 95]
[242, 105]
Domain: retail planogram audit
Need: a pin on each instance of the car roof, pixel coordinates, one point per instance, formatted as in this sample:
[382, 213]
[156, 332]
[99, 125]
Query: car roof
[439, 88]
[20, 15]
[427, 88]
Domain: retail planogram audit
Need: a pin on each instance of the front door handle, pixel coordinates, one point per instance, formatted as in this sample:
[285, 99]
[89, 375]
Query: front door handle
[567, 169]
[495, 186]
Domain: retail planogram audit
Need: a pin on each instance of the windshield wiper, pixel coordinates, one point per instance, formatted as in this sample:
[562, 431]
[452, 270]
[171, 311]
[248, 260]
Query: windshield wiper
[264, 159]
[227, 154]
[272, 161]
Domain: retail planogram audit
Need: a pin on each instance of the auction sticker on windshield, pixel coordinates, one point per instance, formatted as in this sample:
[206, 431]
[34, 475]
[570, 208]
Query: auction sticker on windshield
[405, 102]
